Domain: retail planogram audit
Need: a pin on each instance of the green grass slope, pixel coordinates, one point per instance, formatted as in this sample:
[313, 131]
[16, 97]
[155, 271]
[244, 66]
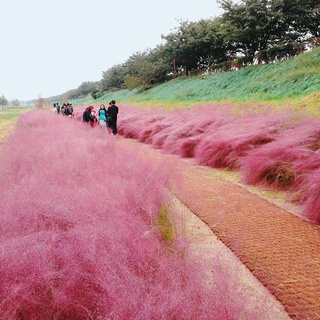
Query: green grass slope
[296, 80]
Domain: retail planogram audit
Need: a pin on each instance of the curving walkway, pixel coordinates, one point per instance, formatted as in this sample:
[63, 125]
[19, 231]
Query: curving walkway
[279, 248]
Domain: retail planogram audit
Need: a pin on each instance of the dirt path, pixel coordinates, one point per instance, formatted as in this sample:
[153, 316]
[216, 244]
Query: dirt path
[279, 248]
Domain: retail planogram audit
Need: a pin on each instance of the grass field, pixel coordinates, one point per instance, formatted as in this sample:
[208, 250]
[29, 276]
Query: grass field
[8, 118]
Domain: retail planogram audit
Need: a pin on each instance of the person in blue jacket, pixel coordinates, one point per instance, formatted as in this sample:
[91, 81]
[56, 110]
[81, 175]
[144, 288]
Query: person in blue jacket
[102, 116]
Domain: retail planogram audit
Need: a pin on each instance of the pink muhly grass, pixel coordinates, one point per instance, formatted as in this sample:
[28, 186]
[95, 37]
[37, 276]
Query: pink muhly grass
[311, 208]
[150, 127]
[271, 165]
[150, 134]
[130, 127]
[78, 111]
[160, 136]
[305, 168]
[188, 124]
[175, 137]
[222, 148]
[288, 156]
[269, 148]
[78, 235]
[187, 146]
[135, 122]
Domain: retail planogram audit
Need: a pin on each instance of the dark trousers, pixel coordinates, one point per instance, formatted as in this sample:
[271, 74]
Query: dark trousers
[112, 123]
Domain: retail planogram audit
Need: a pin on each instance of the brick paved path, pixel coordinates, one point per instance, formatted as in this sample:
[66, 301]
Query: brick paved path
[279, 248]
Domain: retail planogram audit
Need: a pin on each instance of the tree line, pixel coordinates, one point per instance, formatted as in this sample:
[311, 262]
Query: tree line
[247, 32]
[4, 102]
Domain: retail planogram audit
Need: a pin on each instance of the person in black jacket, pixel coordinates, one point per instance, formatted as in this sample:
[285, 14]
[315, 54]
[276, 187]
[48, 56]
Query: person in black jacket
[112, 113]
[86, 116]
[69, 110]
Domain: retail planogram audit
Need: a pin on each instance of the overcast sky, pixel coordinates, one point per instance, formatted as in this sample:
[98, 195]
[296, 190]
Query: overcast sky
[51, 46]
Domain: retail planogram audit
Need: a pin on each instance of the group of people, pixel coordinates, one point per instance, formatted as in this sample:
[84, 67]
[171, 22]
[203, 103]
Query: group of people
[66, 109]
[107, 118]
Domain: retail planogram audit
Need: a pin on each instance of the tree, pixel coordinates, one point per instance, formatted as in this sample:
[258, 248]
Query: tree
[244, 26]
[3, 101]
[147, 68]
[113, 78]
[260, 30]
[302, 16]
[96, 93]
[197, 46]
[208, 43]
[85, 88]
[40, 102]
[15, 103]
[180, 45]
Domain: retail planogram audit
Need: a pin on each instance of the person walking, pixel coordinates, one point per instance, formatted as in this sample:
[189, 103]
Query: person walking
[112, 113]
[58, 108]
[102, 116]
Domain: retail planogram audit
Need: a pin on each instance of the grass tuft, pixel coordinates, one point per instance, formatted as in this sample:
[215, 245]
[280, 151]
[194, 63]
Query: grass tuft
[166, 225]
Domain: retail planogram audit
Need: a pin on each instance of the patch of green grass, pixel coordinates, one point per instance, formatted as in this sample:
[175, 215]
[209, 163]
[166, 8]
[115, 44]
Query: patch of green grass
[166, 225]
[8, 118]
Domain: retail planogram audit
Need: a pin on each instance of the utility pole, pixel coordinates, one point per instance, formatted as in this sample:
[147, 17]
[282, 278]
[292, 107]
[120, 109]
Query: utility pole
[174, 67]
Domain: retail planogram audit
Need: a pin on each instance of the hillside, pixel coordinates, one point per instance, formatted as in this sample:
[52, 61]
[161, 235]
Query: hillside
[295, 80]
